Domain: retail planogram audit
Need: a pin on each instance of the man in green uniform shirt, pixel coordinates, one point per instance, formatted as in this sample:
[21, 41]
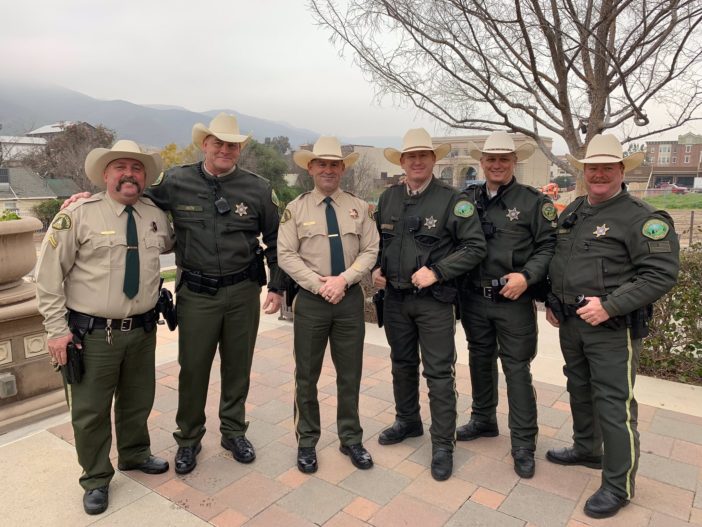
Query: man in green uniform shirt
[98, 279]
[499, 318]
[219, 210]
[327, 241]
[430, 235]
[615, 256]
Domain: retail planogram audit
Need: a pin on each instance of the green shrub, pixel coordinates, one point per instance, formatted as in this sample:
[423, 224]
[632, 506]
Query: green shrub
[46, 210]
[9, 215]
[673, 349]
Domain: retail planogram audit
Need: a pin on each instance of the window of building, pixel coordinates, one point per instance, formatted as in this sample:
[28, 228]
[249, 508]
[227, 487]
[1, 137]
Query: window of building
[674, 160]
[664, 149]
[663, 159]
[688, 149]
[383, 175]
[11, 206]
[447, 173]
[687, 160]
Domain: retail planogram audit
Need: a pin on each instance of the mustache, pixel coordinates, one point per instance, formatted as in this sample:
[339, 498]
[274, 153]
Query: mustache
[128, 179]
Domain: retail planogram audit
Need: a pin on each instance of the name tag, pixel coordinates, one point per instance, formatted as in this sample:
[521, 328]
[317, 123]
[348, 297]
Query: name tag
[107, 232]
[309, 223]
[189, 208]
[387, 226]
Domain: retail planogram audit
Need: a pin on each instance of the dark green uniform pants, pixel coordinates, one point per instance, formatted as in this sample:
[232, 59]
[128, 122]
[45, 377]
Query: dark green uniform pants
[124, 370]
[601, 369]
[228, 319]
[507, 330]
[317, 321]
[419, 321]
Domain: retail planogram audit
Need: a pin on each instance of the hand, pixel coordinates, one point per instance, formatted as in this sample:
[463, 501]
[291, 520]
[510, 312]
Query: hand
[515, 286]
[272, 303]
[378, 279]
[424, 277]
[57, 348]
[74, 198]
[551, 318]
[334, 288]
[593, 313]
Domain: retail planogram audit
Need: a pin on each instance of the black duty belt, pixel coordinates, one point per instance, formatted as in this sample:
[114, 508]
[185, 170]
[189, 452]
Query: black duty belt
[89, 323]
[404, 291]
[216, 281]
[487, 292]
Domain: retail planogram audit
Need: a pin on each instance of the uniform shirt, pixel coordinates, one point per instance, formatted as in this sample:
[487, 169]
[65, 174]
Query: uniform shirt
[82, 261]
[623, 248]
[210, 242]
[438, 228]
[524, 221]
[303, 241]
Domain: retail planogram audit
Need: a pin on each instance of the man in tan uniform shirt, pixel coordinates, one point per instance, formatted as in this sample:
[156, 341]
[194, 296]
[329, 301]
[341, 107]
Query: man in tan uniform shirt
[327, 241]
[87, 284]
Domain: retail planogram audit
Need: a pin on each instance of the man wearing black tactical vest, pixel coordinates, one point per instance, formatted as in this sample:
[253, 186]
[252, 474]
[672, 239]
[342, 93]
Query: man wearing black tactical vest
[218, 210]
[615, 256]
[497, 297]
[430, 235]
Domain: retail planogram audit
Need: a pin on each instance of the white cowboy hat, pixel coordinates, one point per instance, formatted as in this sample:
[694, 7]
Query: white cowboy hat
[326, 147]
[501, 143]
[97, 160]
[415, 140]
[607, 149]
[224, 127]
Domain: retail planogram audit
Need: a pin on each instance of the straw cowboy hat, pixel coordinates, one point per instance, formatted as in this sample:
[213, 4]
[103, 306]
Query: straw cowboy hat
[224, 127]
[326, 147]
[501, 143]
[607, 149]
[97, 160]
[415, 140]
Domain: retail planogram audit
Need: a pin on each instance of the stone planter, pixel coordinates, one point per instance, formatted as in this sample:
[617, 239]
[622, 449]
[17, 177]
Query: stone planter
[26, 377]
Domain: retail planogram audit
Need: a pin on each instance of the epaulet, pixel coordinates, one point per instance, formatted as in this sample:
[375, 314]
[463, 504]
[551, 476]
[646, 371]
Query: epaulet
[147, 201]
[300, 196]
[255, 175]
[351, 194]
[472, 186]
[533, 190]
[83, 201]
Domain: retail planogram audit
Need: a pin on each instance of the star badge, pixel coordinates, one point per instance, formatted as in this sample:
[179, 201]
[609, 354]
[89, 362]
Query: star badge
[353, 213]
[430, 222]
[241, 209]
[513, 214]
[600, 230]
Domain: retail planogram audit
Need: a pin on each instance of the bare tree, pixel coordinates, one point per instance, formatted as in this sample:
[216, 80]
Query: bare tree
[65, 152]
[569, 68]
[359, 178]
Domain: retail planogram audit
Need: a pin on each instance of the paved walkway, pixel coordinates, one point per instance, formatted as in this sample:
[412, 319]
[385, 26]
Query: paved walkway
[39, 470]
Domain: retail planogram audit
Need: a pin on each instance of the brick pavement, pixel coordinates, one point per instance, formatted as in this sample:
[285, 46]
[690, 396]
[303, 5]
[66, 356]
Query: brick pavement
[399, 490]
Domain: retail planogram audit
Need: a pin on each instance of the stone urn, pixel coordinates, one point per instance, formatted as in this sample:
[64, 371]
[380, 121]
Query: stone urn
[17, 257]
[29, 387]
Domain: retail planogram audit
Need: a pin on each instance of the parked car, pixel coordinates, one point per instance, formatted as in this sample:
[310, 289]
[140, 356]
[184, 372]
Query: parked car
[672, 187]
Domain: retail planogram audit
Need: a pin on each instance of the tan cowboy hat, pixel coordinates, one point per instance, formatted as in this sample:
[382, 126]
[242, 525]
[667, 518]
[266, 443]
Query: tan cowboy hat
[607, 149]
[97, 160]
[224, 127]
[326, 147]
[501, 143]
[415, 140]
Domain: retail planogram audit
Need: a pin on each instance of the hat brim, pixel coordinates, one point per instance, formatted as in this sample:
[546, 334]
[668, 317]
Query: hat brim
[394, 155]
[200, 132]
[97, 160]
[523, 152]
[630, 162]
[302, 158]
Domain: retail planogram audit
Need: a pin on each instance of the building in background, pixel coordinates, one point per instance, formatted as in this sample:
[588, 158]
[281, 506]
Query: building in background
[675, 162]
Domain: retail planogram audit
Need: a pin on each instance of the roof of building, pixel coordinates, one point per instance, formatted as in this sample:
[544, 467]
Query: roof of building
[22, 140]
[52, 128]
[62, 187]
[25, 184]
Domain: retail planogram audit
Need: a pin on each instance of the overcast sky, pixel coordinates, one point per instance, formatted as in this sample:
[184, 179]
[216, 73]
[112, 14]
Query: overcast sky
[264, 58]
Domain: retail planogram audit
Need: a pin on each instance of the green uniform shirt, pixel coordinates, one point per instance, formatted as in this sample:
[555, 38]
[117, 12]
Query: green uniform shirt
[438, 228]
[210, 242]
[622, 248]
[524, 232]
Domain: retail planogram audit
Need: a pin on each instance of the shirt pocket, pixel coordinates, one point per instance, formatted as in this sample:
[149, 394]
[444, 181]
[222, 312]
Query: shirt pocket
[110, 251]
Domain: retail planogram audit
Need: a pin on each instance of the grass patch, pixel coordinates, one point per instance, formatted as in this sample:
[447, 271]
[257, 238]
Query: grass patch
[676, 201]
[168, 276]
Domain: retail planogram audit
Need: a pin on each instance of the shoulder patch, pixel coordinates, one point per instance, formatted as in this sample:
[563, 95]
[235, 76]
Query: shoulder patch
[655, 229]
[549, 211]
[62, 222]
[464, 209]
[274, 198]
[158, 181]
[286, 216]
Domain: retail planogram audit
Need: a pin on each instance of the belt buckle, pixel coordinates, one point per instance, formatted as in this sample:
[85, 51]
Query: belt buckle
[125, 324]
[487, 293]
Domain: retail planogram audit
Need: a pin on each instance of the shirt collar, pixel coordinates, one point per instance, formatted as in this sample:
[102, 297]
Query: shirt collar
[319, 197]
[421, 189]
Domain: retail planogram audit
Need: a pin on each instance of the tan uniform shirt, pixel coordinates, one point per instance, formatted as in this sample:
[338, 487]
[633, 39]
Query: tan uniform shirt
[82, 261]
[303, 241]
